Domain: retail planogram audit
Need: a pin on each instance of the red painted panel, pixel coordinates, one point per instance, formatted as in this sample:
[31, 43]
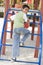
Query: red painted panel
[29, 1]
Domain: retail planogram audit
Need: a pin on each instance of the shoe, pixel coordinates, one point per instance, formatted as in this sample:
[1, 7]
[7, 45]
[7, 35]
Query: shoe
[14, 59]
[21, 43]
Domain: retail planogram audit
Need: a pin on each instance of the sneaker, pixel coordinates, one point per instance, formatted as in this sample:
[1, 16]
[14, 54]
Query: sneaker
[14, 59]
[21, 43]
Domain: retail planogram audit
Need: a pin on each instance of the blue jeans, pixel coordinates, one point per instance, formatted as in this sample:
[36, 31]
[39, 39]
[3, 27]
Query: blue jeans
[16, 40]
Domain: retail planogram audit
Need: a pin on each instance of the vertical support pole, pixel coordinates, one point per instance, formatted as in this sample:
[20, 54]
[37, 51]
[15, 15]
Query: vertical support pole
[35, 7]
[11, 29]
[37, 41]
[4, 37]
[14, 2]
[42, 9]
[33, 26]
[12, 22]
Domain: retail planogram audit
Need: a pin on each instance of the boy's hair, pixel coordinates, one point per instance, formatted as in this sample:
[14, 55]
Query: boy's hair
[24, 6]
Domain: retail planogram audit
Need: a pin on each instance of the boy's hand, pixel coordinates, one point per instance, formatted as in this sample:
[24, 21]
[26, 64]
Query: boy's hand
[26, 24]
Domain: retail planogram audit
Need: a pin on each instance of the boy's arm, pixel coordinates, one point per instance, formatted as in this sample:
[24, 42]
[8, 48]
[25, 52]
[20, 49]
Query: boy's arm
[26, 21]
[26, 24]
[25, 18]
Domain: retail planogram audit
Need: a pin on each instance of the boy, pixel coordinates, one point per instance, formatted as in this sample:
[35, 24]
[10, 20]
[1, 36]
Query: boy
[19, 20]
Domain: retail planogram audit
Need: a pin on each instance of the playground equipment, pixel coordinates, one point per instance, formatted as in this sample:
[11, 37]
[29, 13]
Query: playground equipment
[40, 34]
[35, 4]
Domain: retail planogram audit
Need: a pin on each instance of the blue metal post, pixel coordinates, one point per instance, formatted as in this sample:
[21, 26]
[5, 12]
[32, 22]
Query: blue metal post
[40, 54]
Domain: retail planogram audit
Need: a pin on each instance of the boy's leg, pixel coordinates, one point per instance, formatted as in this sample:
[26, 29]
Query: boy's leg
[15, 47]
[26, 34]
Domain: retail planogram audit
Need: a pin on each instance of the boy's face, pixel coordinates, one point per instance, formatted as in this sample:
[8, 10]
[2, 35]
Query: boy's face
[25, 10]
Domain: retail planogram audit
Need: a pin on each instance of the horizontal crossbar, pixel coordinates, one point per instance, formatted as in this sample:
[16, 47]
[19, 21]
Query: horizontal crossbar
[21, 46]
[27, 62]
[29, 15]
[20, 61]
[29, 33]
[30, 47]
[4, 59]
[29, 22]
[16, 9]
